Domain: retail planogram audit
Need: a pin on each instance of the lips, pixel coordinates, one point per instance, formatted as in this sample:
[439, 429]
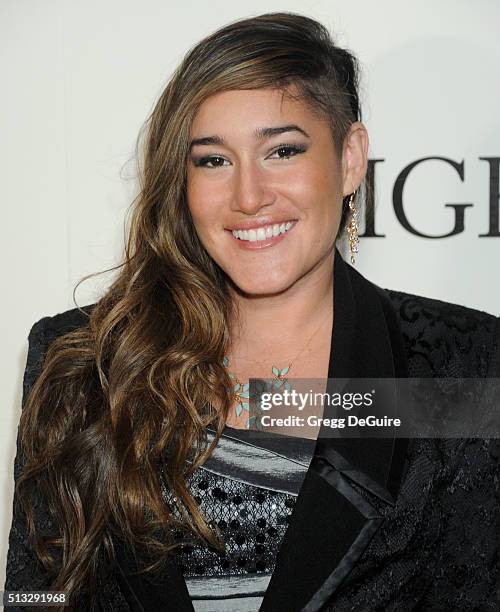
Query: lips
[253, 239]
[255, 224]
[263, 233]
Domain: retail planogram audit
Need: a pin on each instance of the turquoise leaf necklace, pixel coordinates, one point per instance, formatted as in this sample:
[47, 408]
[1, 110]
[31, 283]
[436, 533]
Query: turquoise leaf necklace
[279, 381]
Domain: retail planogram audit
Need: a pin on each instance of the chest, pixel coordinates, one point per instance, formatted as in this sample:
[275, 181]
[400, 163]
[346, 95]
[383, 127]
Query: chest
[307, 373]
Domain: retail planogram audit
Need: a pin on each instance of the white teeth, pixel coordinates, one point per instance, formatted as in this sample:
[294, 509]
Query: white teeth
[263, 233]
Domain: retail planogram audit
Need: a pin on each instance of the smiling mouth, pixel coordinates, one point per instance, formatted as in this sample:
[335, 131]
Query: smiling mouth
[264, 233]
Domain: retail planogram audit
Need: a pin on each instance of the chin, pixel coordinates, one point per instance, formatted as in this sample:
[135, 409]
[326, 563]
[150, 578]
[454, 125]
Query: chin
[261, 286]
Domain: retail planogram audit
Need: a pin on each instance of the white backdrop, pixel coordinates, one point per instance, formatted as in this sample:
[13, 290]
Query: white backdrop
[79, 79]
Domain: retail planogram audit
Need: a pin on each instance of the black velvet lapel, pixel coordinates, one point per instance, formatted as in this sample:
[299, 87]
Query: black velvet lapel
[145, 593]
[331, 524]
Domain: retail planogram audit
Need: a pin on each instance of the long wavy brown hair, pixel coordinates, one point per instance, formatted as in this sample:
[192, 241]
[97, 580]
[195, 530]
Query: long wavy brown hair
[123, 402]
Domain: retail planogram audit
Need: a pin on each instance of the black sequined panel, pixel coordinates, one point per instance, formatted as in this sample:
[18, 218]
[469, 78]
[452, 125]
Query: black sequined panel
[252, 520]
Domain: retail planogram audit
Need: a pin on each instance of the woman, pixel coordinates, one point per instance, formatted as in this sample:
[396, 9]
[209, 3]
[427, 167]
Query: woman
[133, 434]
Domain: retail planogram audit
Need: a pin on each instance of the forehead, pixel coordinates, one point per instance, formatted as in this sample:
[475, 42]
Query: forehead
[250, 108]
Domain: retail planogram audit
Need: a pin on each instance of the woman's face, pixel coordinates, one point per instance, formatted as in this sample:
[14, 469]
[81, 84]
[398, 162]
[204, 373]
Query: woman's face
[265, 188]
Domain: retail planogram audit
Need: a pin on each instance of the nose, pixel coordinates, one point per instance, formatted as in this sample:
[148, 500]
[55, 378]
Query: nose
[251, 188]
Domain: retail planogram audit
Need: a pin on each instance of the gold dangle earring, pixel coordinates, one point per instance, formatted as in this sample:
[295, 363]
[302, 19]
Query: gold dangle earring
[352, 228]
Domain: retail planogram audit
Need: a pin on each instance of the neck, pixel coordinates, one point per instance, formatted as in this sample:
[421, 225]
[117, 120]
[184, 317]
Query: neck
[278, 321]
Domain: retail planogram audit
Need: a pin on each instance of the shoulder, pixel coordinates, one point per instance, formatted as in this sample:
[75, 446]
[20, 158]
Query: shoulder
[443, 339]
[435, 312]
[41, 335]
[48, 328]
[454, 480]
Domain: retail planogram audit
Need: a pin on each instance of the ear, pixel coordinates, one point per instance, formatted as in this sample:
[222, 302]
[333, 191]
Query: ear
[354, 157]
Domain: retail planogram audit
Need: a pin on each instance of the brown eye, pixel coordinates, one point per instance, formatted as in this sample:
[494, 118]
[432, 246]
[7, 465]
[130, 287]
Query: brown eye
[286, 151]
[210, 161]
[217, 161]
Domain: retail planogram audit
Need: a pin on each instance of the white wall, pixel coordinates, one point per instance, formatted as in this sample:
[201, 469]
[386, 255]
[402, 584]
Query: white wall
[80, 78]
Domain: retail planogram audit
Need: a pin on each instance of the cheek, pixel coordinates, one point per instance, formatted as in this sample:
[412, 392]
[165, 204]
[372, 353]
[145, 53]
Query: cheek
[193, 195]
[316, 190]
[200, 203]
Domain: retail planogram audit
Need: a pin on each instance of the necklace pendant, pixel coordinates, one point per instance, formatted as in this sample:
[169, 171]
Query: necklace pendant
[242, 397]
[280, 381]
[241, 393]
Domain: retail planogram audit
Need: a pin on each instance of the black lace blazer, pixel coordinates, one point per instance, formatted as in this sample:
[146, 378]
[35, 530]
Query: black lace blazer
[379, 524]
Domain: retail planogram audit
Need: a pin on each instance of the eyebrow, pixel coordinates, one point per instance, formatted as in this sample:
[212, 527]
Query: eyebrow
[260, 133]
